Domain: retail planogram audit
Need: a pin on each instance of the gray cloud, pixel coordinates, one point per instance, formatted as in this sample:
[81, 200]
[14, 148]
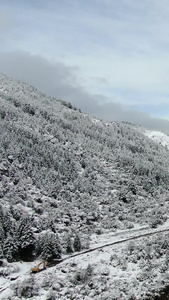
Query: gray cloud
[58, 80]
[5, 21]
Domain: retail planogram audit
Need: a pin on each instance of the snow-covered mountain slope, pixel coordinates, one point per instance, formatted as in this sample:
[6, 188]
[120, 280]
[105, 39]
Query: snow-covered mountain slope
[66, 177]
[158, 137]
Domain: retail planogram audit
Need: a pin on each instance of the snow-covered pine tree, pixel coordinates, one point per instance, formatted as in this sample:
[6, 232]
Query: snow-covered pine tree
[2, 233]
[77, 243]
[69, 245]
[26, 239]
[1, 252]
[50, 247]
[9, 249]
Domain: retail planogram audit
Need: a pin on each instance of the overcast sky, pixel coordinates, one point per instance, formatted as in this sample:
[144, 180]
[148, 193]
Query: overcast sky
[108, 57]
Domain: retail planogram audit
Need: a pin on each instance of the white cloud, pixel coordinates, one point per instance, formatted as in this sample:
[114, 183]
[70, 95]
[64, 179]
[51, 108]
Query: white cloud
[59, 80]
[117, 50]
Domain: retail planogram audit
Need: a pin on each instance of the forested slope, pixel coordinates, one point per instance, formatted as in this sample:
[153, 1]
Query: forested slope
[65, 175]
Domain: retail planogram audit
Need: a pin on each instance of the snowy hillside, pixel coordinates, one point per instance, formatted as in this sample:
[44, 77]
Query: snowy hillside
[134, 266]
[70, 182]
[158, 137]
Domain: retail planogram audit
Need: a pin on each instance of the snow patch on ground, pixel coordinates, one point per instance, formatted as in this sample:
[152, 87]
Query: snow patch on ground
[158, 137]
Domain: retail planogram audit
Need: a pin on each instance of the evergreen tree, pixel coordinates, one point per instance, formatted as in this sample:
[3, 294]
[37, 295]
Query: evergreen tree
[1, 252]
[50, 246]
[8, 224]
[2, 232]
[25, 239]
[77, 243]
[9, 249]
[69, 246]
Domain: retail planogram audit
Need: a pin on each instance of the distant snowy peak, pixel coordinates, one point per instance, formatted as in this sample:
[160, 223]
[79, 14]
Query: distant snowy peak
[158, 137]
